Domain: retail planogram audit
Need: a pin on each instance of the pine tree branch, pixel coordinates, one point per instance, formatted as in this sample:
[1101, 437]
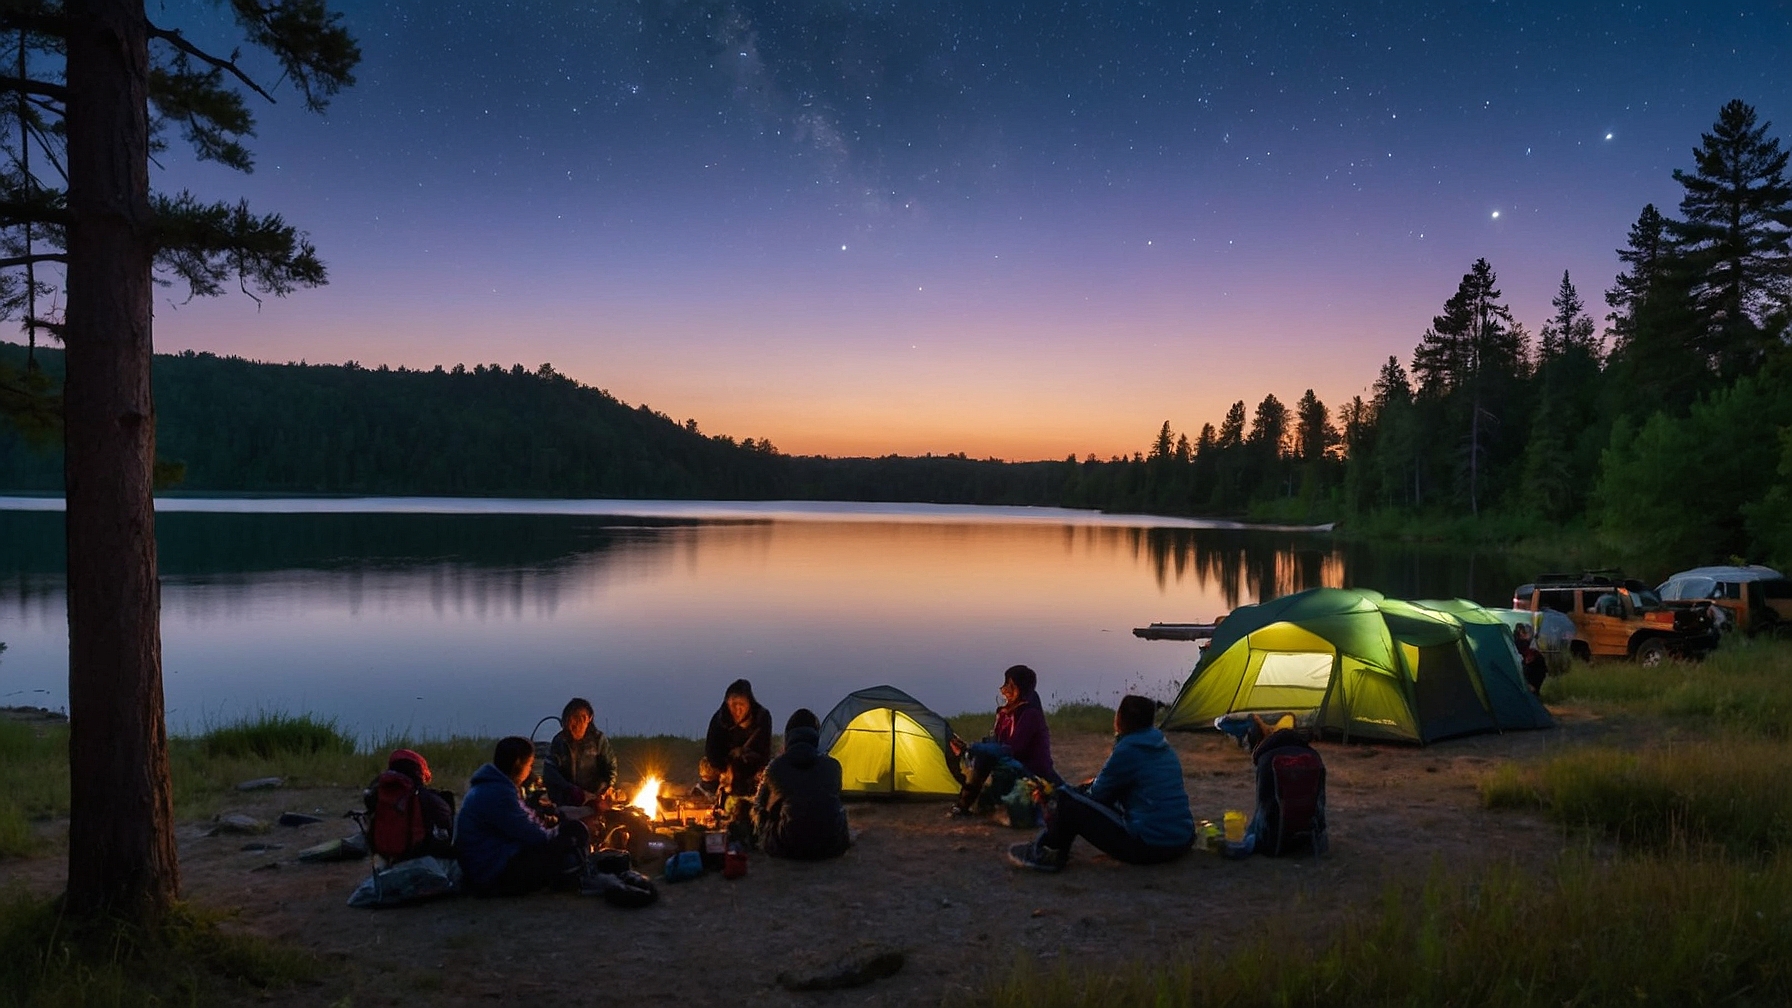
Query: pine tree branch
[16, 85]
[179, 41]
[309, 41]
[12, 261]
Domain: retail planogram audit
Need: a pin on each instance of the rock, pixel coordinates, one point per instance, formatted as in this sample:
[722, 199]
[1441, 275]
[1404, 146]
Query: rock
[248, 847]
[853, 970]
[298, 819]
[237, 823]
[270, 866]
[261, 784]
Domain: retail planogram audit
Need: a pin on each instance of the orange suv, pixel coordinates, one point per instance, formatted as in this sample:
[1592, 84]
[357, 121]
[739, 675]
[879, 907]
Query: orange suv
[1619, 618]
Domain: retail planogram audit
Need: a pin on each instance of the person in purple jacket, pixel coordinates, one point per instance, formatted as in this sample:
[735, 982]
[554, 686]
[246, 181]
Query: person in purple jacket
[1020, 737]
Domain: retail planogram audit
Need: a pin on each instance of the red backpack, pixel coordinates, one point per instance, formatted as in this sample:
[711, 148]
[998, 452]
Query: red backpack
[1291, 792]
[395, 812]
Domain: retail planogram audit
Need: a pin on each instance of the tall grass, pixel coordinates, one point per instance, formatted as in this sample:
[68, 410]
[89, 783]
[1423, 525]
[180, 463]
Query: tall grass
[189, 960]
[1730, 794]
[33, 781]
[1745, 686]
[272, 733]
[1642, 931]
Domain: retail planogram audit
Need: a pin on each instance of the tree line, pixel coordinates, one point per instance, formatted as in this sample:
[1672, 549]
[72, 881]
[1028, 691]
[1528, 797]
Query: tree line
[1669, 427]
[1665, 426]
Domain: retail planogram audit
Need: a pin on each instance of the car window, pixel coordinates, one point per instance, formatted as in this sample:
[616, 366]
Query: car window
[1777, 588]
[1727, 590]
[1646, 599]
[1560, 601]
[1682, 589]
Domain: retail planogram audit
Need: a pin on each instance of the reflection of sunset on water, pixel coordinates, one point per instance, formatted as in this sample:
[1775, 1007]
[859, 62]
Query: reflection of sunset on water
[480, 623]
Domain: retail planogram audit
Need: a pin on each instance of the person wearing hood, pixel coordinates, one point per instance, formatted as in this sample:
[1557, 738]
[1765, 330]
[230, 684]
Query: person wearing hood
[505, 849]
[1136, 810]
[737, 746]
[797, 810]
[1020, 736]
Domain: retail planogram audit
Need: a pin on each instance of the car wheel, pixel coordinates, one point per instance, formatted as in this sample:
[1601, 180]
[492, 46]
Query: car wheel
[1651, 652]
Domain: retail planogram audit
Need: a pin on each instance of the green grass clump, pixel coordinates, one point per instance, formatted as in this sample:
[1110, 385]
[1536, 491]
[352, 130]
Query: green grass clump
[1642, 931]
[1731, 795]
[272, 734]
[46, 961]
[1746, 686]
[33, 781]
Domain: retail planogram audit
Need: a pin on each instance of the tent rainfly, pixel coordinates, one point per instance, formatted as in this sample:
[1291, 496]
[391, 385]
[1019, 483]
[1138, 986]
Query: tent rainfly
[889, 744]
[1356, 663]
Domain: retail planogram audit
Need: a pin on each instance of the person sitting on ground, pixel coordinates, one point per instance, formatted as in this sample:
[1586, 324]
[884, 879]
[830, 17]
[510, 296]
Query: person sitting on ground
[581, 766]
[1536, 668]
[737, 746]
[797, 810]
[507, 848]
[1135, 810]
[1020, 735]
[409, 819]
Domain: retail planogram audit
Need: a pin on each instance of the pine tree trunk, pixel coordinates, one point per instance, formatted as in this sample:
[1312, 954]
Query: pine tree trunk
[121, 839]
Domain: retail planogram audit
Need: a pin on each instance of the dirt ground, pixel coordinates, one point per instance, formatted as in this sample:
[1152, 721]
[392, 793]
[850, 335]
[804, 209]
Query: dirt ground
[938, 889]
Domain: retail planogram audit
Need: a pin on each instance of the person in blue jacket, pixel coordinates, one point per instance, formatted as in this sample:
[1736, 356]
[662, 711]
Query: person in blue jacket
[1136, 810]
[505, 847]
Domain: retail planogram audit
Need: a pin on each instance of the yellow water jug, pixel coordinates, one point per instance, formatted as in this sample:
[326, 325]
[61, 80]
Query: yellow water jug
[1234, 826]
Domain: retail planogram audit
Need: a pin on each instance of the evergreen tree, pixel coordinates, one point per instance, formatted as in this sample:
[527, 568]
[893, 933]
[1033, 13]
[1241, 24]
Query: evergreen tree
[1314, 436]
[91, 73]
[1737, 239]
[1655, 362]
[1269, 427]
[1231, 433]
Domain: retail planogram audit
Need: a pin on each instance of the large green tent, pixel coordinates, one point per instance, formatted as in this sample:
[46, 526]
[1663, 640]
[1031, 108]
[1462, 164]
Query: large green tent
[1349, 661]
[1502, 671]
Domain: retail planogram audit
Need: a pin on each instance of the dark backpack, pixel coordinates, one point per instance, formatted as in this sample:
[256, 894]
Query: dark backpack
[395, 828]
[1291, 800]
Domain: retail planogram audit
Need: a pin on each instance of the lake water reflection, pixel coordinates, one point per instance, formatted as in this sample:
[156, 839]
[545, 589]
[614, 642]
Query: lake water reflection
[483, 622]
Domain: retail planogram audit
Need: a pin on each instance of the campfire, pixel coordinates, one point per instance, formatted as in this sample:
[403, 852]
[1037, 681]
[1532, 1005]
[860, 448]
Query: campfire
[647, 798]
[652, 800]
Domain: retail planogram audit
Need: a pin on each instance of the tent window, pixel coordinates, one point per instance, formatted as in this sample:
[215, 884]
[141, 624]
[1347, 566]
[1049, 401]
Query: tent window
[1302, 671]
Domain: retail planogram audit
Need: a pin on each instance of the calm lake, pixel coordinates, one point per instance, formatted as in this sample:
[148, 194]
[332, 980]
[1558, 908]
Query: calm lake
[449, 615]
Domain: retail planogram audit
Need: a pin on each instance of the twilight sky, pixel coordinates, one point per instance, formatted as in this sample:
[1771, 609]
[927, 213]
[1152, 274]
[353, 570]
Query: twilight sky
[1021, 228]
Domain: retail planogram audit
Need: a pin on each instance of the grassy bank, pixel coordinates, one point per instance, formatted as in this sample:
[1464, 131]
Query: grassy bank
[45, 962]
[1642, 931]
[1743, 688]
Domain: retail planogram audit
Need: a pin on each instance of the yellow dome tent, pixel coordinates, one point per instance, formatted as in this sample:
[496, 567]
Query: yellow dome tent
[889, 744]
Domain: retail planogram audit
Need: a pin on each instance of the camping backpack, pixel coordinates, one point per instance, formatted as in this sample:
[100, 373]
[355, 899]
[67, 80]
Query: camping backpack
[1291, 801]
[395, 827]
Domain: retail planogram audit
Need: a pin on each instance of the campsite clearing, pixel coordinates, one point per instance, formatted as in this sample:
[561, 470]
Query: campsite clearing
[937, 889]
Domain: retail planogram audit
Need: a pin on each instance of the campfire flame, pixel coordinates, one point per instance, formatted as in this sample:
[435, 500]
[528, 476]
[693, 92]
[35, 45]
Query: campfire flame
[647, 798]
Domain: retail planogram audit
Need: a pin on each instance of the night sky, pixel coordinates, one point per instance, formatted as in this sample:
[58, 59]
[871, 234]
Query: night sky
[1012, 228]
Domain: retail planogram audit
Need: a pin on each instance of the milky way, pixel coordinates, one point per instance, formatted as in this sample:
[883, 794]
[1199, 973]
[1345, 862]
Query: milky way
[1014, 228]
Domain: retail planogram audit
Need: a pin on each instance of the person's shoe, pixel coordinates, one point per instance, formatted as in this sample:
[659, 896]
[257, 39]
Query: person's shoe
[959, 812]
[1036, 856]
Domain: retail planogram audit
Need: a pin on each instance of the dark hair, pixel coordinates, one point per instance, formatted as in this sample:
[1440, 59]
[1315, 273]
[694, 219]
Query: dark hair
[802, 717]
[1024, 679]
[510, 752]
[573, 706]
[1136, 712]
[740, 687]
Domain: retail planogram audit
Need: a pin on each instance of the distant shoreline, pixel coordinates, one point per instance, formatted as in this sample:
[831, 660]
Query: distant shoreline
[686, 510]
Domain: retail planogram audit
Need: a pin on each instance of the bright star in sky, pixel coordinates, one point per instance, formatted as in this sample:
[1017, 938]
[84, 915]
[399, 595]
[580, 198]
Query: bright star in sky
[1496, 215]
[1608, 136]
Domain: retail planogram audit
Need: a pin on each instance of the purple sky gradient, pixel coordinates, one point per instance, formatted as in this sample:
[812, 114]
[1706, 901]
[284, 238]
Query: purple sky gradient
[1024, 232]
